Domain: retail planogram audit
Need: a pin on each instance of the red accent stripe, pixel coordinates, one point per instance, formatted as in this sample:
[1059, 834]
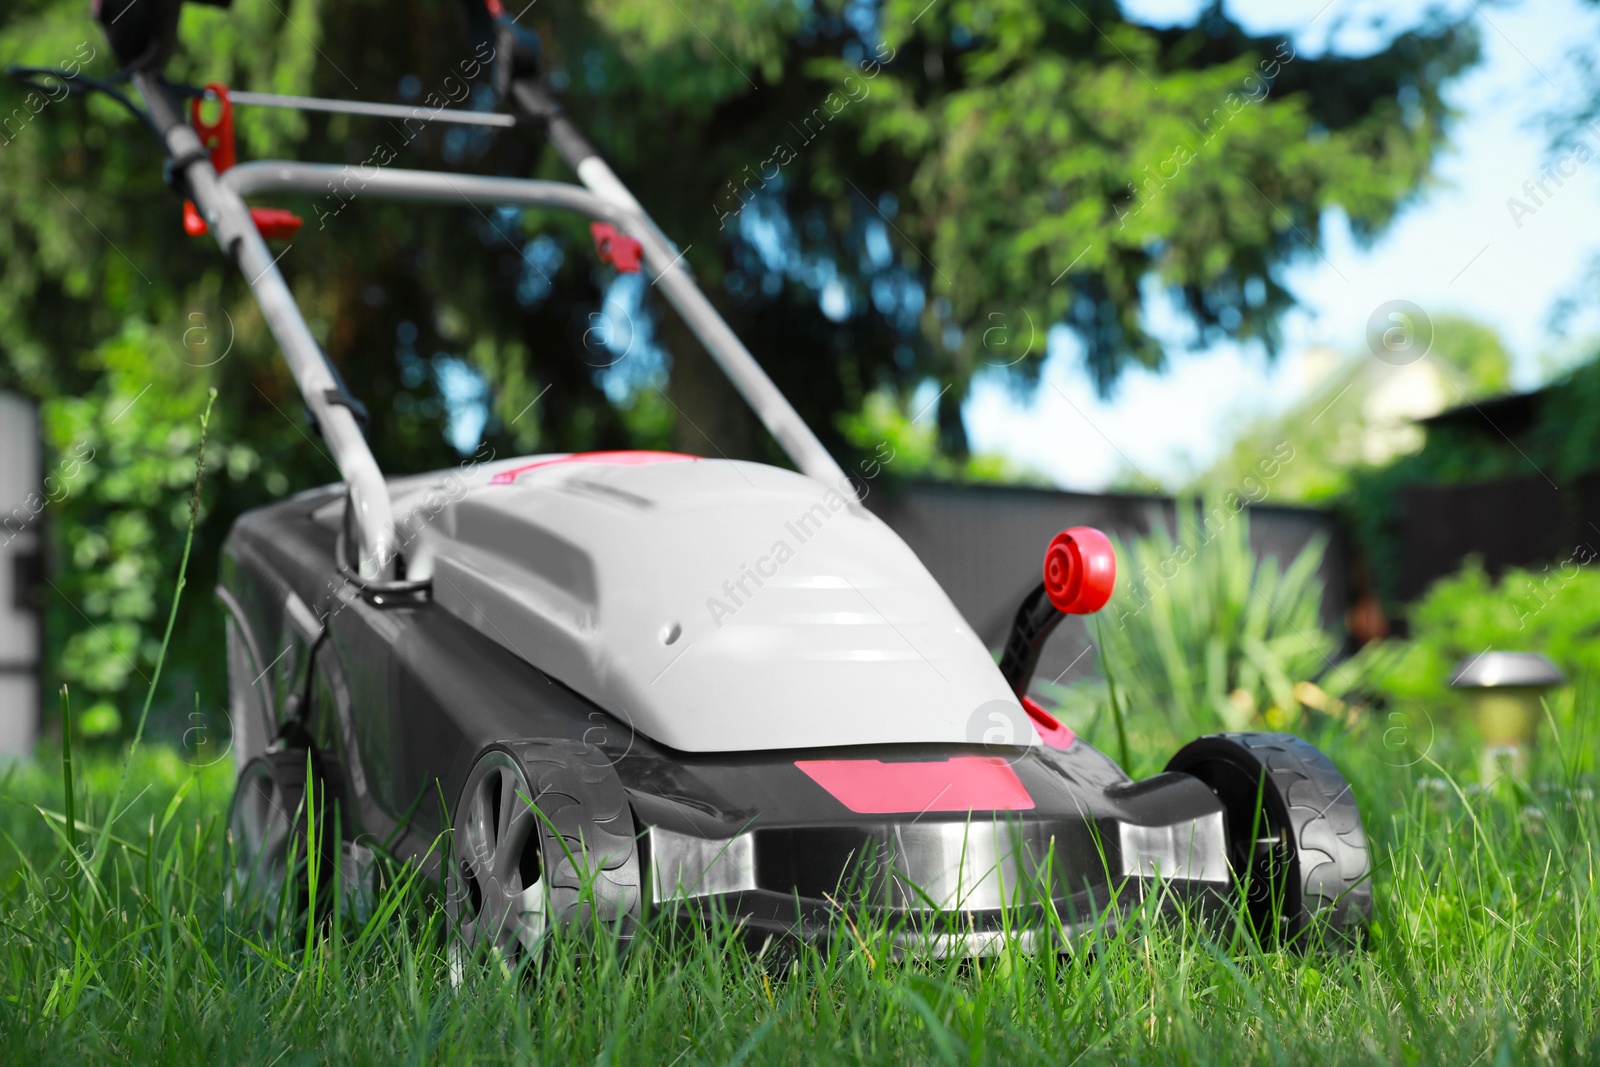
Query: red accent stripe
[965, 783]
[612, 459]
[1052, 731]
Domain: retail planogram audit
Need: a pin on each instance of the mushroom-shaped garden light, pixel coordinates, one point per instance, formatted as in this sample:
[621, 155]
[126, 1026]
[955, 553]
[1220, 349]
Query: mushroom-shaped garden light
[1504, 690]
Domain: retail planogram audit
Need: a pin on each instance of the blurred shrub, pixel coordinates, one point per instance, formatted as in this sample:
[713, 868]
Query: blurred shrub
[117, 487]
[1203, 635]
[1554, 610]
[893, 440]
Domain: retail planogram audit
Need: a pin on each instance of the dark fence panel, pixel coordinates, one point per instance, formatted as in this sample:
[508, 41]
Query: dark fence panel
[985, 544]
[1514, 522]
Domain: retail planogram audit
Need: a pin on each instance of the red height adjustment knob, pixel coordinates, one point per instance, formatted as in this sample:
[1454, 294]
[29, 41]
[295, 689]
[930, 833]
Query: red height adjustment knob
[1080, 570]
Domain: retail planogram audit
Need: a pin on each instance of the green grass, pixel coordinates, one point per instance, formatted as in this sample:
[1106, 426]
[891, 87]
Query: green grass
[1483, 951]
[115, 944]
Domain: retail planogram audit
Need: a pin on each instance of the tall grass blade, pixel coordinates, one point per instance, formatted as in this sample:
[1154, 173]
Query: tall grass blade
[69, 794]
[166, 637]
[1111, 696]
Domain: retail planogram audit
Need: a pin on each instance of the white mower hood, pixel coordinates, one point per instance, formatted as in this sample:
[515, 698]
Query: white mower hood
[713, 605]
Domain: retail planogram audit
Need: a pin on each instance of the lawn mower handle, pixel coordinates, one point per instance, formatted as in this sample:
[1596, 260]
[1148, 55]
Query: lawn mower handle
[663, 260]
[330, 404]
[770, 405]
[219, 201]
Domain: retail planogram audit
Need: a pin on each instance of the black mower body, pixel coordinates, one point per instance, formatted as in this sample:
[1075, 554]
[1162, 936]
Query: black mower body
[399, 697]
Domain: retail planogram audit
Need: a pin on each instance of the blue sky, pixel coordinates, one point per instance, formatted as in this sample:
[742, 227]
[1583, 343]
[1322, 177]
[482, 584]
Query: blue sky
[1456, 249]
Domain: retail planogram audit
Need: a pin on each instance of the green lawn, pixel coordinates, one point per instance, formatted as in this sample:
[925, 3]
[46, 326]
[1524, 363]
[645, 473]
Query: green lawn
[1483, 952]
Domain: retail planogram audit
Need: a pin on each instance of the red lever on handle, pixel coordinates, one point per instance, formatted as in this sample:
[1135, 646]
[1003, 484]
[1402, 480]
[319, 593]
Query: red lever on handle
[194, 224]
[275, 224]
[615, 248]
[216, 136]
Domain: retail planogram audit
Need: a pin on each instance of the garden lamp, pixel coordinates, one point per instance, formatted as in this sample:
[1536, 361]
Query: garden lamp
[1504, 690]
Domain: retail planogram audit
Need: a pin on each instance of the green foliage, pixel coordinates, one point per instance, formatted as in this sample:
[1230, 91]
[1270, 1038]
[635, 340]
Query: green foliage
[1359, 415]
[120, 492]
[894, 441]
[1065, 138]
[1203, 635]
[1554, 610]
[1561, 444]
[1476, 350]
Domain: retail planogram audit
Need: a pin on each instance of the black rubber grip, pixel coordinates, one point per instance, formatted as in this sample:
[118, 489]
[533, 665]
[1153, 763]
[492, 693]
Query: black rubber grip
[1035, 620]
[536, 103]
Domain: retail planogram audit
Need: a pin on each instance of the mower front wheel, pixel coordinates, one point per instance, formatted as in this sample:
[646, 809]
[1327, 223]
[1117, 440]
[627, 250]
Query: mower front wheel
[542, 837]
[1296, 844]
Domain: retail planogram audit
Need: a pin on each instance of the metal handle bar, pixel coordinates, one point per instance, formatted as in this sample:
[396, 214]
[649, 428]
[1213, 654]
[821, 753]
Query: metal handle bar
[220, 199]
[455, 116]
[229, 221]
[664, 262]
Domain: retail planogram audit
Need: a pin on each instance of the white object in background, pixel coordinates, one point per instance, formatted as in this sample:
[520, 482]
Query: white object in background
[21, 544]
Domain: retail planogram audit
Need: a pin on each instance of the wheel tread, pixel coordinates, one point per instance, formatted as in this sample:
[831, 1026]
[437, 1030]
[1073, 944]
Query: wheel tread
[578, 791]
[1335, 862]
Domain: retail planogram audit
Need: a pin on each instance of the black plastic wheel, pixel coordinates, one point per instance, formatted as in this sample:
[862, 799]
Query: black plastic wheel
[274, 833]
[1296, 842]
[542, 837]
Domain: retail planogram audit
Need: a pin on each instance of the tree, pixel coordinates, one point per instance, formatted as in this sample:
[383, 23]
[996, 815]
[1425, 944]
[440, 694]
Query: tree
[1022, 163]
[869, 190]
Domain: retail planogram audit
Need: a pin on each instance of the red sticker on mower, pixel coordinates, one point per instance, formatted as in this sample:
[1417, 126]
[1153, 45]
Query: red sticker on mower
[609, 459]
[965, 783]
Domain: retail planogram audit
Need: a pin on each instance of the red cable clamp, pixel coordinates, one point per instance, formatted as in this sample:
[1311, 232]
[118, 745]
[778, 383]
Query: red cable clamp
[616, 248]
[274, 223]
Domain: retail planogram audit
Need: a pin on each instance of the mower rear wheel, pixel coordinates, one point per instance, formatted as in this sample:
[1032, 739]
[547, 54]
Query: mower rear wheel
[542, 837]
[1296, 843]
[277, 826]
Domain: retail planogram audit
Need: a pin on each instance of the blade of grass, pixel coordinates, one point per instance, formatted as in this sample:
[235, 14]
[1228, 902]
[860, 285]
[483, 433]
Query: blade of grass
[69, 801]
[1111, 695]
[166, 637]
[68, 795]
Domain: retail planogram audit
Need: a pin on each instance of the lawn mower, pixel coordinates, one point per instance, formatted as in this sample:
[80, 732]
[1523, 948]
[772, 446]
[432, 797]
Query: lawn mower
[598, 686]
